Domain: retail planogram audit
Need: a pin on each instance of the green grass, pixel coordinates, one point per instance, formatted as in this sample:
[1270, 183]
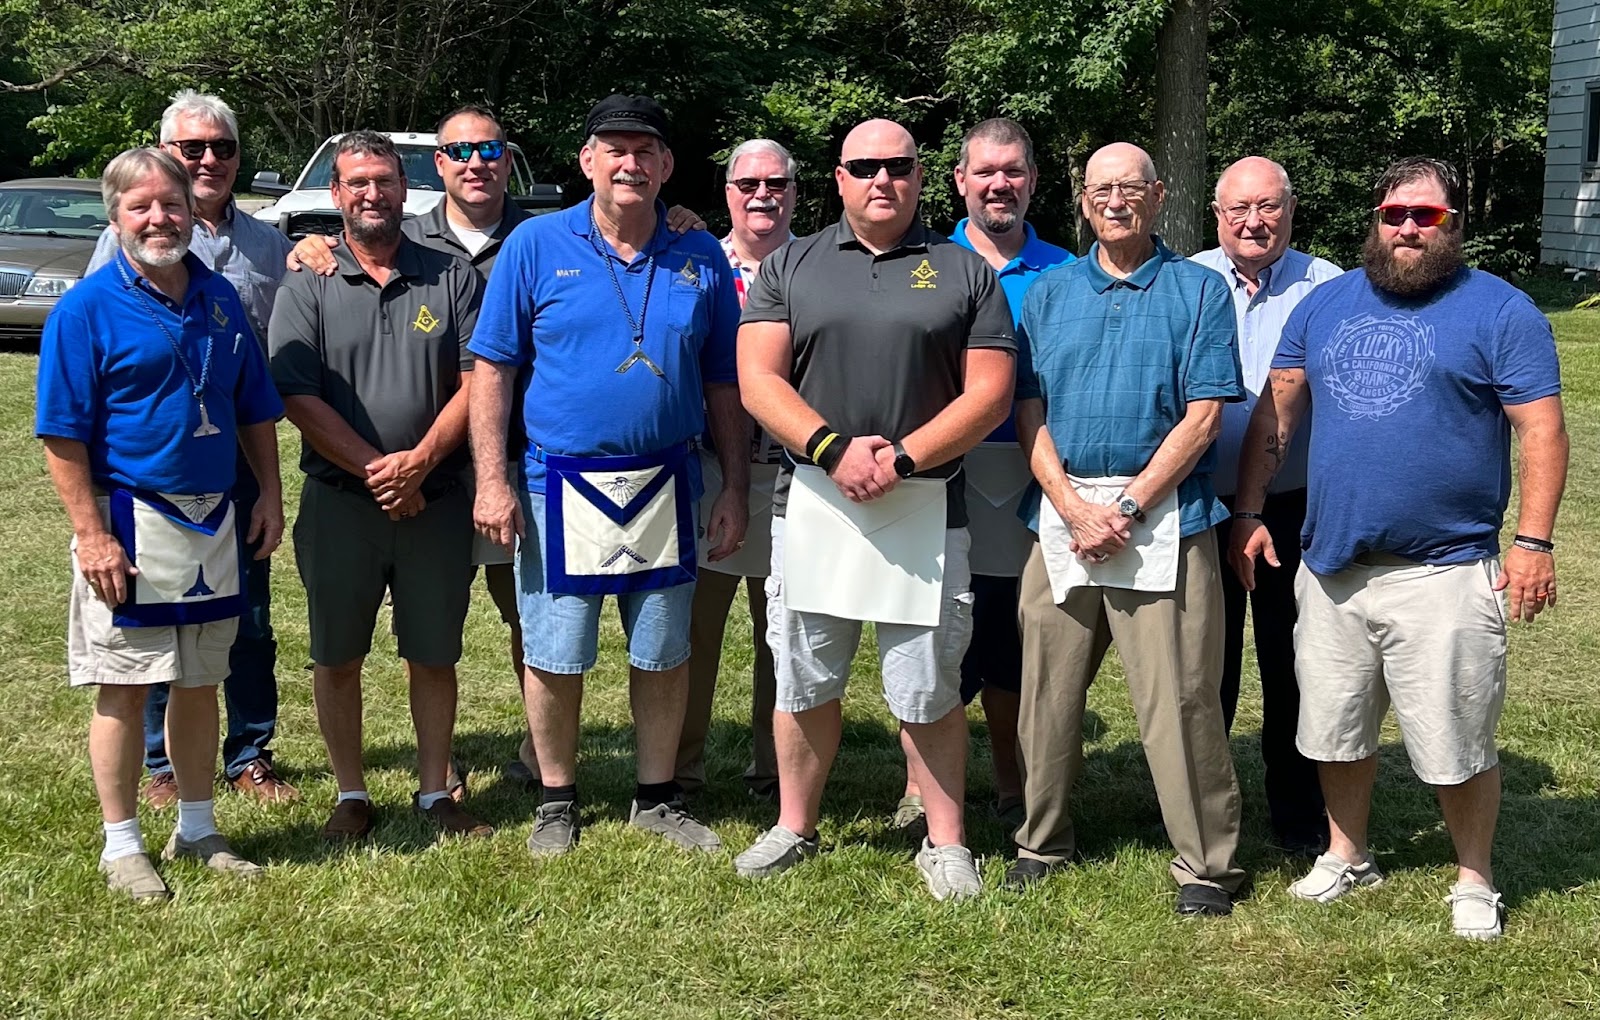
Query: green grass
[629, 927]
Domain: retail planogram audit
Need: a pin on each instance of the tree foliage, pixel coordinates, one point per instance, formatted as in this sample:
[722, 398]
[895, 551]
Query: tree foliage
[1330, 90]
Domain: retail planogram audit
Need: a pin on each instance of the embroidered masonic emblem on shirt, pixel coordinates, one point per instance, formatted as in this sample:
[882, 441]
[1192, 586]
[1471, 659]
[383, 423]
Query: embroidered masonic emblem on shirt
[425, 321]
[218, 314]
[923, 276]
[688, 273]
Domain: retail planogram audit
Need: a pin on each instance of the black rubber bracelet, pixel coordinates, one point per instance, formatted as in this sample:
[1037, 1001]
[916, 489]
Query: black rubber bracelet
[834, 454]
[1533, 544]
[1248, 515]
[816, 437]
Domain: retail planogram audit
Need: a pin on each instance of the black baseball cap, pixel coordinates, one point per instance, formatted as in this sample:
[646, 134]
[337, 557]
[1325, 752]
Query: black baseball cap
[637, 114]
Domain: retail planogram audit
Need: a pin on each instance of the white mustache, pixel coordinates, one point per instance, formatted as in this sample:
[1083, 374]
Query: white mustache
[762, 206]
[623, 177]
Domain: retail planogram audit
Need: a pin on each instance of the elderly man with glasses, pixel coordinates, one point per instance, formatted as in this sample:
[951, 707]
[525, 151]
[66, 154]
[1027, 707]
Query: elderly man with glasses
[1255, 215]
[1128, 356]
[877, 353]
[202, 134]
[760, 190]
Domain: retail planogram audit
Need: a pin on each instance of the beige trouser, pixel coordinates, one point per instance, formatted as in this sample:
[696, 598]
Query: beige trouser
[1171, 647]
[713, 597]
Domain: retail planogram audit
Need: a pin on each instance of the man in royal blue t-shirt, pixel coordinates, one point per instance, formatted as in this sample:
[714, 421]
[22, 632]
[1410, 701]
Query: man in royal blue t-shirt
[1414, 371]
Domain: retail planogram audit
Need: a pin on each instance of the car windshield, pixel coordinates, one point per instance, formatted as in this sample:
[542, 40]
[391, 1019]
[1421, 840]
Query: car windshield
[52, 212]
[418, 160]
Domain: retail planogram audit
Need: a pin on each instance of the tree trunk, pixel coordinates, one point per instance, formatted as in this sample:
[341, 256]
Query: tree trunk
[1181, 123]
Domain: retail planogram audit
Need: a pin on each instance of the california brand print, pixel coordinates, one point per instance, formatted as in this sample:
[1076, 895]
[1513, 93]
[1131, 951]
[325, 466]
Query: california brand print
[1374, 365]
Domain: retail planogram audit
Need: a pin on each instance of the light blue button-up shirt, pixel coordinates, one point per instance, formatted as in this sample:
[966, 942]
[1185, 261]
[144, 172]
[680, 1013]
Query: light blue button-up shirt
[1261, 317]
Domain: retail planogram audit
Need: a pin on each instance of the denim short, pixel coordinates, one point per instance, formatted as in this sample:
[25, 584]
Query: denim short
[561, 633]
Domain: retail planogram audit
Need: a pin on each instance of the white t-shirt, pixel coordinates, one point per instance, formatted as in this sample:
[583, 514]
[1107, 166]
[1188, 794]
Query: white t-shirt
[473, 240]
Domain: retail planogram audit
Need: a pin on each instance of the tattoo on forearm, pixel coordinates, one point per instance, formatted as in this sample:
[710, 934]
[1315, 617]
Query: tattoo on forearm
[1278, 450]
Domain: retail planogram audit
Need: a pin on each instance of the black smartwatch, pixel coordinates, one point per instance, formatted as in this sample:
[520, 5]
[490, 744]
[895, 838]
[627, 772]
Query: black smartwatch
[1127, 506]
[904, 466]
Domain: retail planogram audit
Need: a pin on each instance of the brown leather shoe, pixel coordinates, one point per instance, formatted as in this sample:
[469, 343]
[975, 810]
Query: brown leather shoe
[160, 791]
[262, 782]
[452, 820]
[351, 819]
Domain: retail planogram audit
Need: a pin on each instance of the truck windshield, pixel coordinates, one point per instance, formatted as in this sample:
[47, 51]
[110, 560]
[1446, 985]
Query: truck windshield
[418, 160]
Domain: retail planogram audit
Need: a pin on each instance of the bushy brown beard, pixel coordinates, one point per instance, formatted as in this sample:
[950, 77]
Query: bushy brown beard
[1441, 260]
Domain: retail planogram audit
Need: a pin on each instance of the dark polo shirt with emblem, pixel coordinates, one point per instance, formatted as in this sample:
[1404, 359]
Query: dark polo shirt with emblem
[386, 359]
[878, 339]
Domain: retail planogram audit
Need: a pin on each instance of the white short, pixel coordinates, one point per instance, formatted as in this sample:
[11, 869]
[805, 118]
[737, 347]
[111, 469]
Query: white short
[921, 666]
[100, 652]
[1431, 640]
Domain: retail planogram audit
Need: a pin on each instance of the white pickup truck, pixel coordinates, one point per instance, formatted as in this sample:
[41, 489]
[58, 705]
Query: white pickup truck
[306, 207]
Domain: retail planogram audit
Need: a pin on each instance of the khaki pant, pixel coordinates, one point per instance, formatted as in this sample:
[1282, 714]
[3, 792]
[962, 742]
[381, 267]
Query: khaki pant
[713, 598]
[1171, 646]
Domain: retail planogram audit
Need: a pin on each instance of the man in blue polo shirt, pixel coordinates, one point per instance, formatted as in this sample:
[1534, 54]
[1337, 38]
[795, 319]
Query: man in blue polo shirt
[629, 330]
[150, 380]
[996, 175]
[1128, 357]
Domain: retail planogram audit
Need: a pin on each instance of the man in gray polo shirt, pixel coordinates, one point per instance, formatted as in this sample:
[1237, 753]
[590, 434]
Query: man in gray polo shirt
[371, 366]
[874, 351]
[472, 221]
[202, 133]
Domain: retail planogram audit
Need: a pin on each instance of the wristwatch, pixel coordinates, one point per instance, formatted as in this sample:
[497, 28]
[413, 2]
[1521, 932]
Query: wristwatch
[904, 466]
[1127, 506]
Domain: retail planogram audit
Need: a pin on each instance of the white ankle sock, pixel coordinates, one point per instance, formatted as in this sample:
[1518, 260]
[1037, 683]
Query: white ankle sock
[196, 820]
[428, 800]
[345, 795]
[122, 839]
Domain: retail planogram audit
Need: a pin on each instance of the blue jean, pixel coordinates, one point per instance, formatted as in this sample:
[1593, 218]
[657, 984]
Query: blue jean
[251, 689]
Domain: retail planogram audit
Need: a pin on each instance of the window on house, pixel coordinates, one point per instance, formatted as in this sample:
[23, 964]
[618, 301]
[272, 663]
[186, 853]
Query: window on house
[1591, 124]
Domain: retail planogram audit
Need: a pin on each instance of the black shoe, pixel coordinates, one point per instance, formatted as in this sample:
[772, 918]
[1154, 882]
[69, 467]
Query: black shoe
[1203, 901]
[1025, 871]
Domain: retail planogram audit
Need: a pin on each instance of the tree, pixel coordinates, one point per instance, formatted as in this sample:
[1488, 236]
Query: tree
[1180, 122]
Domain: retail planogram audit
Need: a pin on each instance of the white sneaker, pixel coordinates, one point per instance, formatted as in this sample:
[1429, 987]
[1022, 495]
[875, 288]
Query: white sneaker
[949, 871]
[1331, 876]
[1476, 911]
[775, 852]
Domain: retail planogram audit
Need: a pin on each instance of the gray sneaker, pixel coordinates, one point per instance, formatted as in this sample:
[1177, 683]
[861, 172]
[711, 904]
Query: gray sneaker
[775, 852]
[214, 852]
[1476, 911]
[1331, 877]
[949, 871]
[135, 875]
[555, 829]
[676, 825]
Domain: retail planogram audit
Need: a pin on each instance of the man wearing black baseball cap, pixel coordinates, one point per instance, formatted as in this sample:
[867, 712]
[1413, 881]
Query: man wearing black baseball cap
[633, 329]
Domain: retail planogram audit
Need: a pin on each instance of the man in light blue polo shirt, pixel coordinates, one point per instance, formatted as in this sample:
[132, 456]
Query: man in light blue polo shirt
[996, 176]
[629, 330]
[1255, 216]
[1127, 358]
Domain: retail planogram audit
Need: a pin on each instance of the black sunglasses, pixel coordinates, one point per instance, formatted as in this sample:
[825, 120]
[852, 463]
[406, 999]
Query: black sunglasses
[866, 169]
[461, 152]
[194, 148]
[748, 185]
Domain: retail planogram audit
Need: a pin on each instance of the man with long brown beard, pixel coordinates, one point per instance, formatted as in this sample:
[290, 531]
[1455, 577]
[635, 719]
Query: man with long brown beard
[1415, 372]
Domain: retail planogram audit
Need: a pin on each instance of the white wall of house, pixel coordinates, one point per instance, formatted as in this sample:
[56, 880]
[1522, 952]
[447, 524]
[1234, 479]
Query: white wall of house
[1571, 226]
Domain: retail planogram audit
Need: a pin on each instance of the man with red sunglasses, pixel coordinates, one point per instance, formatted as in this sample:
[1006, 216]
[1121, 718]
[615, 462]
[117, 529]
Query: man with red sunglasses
[202, 133]
[1414, 372]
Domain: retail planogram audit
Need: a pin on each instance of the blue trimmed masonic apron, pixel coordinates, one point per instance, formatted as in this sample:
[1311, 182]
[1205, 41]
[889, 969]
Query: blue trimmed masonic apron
[187, 551]
[618, 524]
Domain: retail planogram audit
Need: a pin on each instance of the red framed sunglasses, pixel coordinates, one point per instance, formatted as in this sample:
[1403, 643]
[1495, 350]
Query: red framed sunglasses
[1421, 215]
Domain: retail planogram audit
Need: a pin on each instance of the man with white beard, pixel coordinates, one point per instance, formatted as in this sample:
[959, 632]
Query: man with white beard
[150, 379]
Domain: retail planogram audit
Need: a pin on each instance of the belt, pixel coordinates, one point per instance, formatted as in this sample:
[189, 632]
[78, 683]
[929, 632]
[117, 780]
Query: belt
[1383, 559]
[537, 452]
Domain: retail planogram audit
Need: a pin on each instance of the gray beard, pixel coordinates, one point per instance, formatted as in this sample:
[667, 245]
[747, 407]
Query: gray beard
[1441, 260]
[139, 252]
[385, 232]
[1002, 224]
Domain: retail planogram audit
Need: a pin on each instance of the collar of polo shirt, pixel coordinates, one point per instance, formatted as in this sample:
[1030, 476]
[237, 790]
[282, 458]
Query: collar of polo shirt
[405, 260]
[916, 236]
[1142, 278]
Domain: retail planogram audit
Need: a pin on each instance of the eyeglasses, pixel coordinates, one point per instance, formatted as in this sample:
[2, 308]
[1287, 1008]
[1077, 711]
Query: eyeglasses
[360, 185]
[867, 169]
[749, 185]
[1421, 215]
[1100, 194]
[461, 152]
[195, 148]
[1239, 212]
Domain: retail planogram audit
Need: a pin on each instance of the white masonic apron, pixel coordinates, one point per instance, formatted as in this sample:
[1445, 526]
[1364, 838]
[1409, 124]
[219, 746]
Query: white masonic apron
[618, 524]
[997, 478]
[188, 555]
[755, 558]
[1149, 562]
[881, 561]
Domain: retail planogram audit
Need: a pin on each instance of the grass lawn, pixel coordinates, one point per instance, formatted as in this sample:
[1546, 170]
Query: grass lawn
[630, 927]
